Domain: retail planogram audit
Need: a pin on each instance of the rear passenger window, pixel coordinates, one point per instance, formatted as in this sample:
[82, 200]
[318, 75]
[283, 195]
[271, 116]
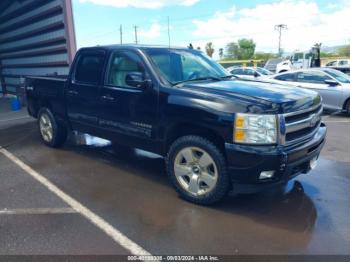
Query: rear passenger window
[89, 68]
[237, 72]
[333, 63]
[286, 77]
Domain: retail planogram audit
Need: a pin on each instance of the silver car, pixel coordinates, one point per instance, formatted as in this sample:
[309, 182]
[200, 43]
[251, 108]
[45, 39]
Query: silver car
[249, 72]
[331, 84]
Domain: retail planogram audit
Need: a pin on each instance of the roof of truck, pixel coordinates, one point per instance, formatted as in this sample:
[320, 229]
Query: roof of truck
[133, 46]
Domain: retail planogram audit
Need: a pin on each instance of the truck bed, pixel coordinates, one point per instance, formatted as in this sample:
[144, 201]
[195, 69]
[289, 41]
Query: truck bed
[48, 91]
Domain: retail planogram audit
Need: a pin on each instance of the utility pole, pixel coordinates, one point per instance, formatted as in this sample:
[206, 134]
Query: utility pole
[169, 30]
[121, 34]
[279, 28]
[135, 28]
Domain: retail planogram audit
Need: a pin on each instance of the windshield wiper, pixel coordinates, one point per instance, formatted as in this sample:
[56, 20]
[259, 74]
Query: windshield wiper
[199, 79]
[229, 76]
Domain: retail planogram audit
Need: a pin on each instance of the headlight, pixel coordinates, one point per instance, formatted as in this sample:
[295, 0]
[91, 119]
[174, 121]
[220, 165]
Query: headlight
[255, 129]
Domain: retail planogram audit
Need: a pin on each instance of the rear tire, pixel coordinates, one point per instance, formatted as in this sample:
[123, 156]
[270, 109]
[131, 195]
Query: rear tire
[197, 169]
[347, 107]
[52, 132]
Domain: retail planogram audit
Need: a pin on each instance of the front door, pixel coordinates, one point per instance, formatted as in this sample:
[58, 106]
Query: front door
[315, 80]
[127, 113]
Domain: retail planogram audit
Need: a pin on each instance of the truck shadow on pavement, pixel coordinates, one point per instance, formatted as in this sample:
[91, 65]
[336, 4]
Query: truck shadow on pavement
[288, 207]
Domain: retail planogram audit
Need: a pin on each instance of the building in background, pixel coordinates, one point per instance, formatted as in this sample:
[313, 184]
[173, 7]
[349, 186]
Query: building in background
[36, 38]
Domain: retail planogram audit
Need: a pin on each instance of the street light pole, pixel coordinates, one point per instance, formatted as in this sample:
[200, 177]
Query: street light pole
[121, 34]
[136, 40]
[279, 28]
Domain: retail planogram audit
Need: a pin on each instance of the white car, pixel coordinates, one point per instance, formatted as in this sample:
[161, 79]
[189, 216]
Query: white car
[338, 63]
[331, 84]
[249, 72]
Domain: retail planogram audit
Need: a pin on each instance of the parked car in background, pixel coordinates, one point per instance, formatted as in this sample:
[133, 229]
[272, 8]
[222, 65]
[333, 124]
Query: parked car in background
[272, 63]
[340, 64]
[331, 84]
[249, 72]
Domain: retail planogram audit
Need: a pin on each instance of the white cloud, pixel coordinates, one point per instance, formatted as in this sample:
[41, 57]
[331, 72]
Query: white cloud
[152, 33]
[307, 25]
[150, 4]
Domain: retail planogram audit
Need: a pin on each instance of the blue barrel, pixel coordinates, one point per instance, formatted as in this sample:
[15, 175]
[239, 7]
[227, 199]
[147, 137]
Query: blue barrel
[15, 104]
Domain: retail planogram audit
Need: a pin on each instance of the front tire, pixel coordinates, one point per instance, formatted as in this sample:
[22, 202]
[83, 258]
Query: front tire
[197, 169]
[52, 133]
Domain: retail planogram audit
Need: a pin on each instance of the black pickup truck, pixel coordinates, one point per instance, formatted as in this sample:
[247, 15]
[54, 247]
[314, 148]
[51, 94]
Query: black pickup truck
[216, 132]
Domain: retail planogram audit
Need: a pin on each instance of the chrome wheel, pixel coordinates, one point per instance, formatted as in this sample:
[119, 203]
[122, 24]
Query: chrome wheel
[46, 127]
[196, 171]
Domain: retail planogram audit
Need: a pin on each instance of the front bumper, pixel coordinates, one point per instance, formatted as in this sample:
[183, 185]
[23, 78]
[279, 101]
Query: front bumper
[246, 162]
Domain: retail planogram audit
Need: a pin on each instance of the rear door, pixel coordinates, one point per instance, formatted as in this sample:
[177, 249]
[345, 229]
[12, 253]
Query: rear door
[315, 80]
[83, 90]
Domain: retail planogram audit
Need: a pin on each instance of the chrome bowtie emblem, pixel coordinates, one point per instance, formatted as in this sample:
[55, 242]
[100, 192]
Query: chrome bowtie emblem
[314, 120]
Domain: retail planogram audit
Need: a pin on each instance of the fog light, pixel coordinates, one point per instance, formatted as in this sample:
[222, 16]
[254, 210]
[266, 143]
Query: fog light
[266, 174]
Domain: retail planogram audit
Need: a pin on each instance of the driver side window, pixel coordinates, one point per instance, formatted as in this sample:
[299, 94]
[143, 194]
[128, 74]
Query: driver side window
[122, 64]
[312, 77]
[191, 67]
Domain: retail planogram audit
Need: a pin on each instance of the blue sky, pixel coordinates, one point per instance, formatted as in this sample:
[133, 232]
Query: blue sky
[218, 21]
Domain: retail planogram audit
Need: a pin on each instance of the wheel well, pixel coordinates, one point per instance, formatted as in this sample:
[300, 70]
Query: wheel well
[190, 129]
[346, 102]
[37, 105]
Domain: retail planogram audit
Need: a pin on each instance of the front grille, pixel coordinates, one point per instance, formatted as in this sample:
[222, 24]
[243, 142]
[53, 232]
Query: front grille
[302, 125]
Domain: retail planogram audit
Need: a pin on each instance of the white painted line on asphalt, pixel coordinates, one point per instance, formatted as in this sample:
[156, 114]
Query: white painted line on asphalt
[13, 119]
[337, 121]
[114, 233]
[37, 211]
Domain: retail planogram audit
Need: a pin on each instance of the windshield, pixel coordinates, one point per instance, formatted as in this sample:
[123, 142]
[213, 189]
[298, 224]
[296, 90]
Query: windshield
[179, 65]
[263, 71]
[340, 76]
[297, 56]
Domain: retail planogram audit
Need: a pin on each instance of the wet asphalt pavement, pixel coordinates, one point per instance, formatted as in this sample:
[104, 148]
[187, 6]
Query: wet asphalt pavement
[131, 192]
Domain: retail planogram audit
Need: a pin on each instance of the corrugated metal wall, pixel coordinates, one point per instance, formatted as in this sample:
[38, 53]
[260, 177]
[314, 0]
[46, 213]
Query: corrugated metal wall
[36, 38]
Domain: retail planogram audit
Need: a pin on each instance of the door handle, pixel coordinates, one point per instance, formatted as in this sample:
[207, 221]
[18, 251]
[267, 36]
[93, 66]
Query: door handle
[73, 92]
[107, 98]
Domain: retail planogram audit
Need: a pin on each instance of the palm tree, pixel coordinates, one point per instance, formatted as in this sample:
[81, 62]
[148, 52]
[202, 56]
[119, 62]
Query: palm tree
[209, 49]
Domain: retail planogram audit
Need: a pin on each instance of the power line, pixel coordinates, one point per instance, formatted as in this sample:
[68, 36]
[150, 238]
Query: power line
[279, 28]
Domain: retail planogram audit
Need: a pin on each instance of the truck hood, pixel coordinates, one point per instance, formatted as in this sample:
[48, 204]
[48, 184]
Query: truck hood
[256, 96]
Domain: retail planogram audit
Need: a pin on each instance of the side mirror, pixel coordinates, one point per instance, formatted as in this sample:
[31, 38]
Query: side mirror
[256, 74]
[136, 79]
[331, 82]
